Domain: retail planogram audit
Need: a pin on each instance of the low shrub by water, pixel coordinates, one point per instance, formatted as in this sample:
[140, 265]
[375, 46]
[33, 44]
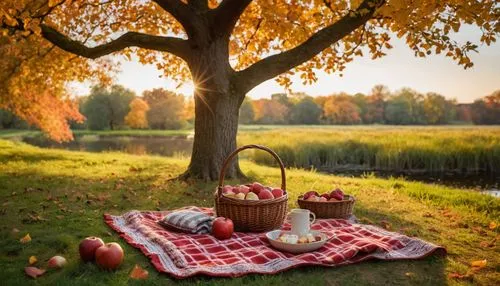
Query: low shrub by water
[438, 149]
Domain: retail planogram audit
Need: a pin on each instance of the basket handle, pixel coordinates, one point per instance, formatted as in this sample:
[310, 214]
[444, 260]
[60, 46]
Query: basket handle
[235, 152]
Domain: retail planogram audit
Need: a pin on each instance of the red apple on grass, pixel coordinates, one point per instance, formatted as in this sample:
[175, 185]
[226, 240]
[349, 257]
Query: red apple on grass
[57, 262]
[277, 192]
[265, 194]
[310, 193]
[88, 246]
[109, 256]
[222, 228]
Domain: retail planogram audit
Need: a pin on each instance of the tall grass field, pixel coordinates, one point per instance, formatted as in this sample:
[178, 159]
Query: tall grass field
[429, 149]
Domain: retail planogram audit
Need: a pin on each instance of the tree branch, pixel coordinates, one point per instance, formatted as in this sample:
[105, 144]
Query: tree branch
[180, 12]
[227, 14]
[176, 46]
[275, 65]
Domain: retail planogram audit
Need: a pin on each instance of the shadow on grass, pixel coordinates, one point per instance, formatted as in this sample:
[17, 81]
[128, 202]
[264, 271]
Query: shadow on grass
[58, 211]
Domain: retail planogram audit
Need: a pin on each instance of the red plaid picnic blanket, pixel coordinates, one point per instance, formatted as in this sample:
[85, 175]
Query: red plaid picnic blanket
[183, 255]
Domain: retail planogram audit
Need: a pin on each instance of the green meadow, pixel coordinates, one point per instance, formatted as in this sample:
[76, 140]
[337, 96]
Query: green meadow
[59, 197]
[430, 149]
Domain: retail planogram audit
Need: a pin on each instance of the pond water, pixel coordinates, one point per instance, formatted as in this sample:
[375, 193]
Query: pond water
[138, 145]
[182, 145]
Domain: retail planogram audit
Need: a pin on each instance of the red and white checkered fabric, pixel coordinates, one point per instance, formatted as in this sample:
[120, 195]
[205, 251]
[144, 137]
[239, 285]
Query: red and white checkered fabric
[183, 255]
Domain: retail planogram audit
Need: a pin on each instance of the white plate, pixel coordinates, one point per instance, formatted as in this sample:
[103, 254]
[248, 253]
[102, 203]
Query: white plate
[272, 236]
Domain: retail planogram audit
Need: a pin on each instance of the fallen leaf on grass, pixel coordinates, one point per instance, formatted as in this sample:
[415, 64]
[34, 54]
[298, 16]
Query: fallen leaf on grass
[385, 224]
[492, 225]
[478, 264]
[32, 260]
[25, 239]
[458, 276]
[427, 215]
[33, 272]
[139, 273]
[487, 244]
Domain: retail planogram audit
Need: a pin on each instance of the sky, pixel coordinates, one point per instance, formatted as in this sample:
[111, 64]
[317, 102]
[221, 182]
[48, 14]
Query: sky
[400, 68]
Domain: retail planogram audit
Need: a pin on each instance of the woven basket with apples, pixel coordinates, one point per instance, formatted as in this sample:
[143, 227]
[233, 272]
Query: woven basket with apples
[329, 205]
[252, 207]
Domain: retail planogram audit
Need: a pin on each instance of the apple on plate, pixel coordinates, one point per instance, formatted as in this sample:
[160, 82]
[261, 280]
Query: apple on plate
[222, 228]
[88, 247]
[265, 194]
[109, 256]
[257, 188]
[309, 194]
[277, 192]
[252, 196]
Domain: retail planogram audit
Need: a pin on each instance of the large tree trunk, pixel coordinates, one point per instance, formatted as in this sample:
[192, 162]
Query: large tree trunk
[217, 103]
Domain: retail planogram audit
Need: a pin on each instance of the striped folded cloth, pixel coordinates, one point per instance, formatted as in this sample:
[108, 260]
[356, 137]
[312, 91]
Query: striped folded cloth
[188, 221]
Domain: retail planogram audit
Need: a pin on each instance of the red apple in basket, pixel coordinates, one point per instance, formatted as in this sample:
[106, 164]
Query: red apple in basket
[265, 194]
[337, 194]
[222, 228]
[243, 189]
[257, 188]
[310, 193]
[88, 246]
[109, 256]
[252, 196]
[326, 196]
[277, 192]
[227, 189]
[313, 198]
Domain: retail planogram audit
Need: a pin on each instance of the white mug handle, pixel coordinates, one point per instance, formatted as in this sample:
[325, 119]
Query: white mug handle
[313, 217]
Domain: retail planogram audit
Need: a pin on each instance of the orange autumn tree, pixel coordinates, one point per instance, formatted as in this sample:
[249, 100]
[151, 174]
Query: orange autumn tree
[226, 47]
[137, 116]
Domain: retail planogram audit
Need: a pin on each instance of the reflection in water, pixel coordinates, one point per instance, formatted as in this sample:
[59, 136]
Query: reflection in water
[165, 146]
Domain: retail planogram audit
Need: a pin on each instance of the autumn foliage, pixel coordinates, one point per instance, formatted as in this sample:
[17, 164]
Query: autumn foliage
[44, 45]
[137, 117]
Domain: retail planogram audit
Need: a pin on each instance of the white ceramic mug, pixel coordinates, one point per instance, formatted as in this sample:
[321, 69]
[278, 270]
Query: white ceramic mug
[300, 219]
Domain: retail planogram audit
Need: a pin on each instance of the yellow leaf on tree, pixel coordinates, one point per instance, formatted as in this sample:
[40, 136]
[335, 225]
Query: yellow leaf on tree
[479, 264]
[53, 3]
[32, 260]
[25, 239]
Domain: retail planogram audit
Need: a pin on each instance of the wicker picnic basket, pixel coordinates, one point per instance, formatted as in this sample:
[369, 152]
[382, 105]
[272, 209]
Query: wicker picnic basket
[335, 209]
[249, 215]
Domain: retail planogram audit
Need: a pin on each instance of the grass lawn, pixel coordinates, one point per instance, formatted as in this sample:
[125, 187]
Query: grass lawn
[58, 197]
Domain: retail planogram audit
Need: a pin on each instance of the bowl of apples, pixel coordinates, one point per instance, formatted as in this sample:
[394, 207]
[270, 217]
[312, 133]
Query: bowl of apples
[334, 204]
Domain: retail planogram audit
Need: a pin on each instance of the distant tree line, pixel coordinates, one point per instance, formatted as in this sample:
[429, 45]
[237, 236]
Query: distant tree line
[380, 106]
[115, 107]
